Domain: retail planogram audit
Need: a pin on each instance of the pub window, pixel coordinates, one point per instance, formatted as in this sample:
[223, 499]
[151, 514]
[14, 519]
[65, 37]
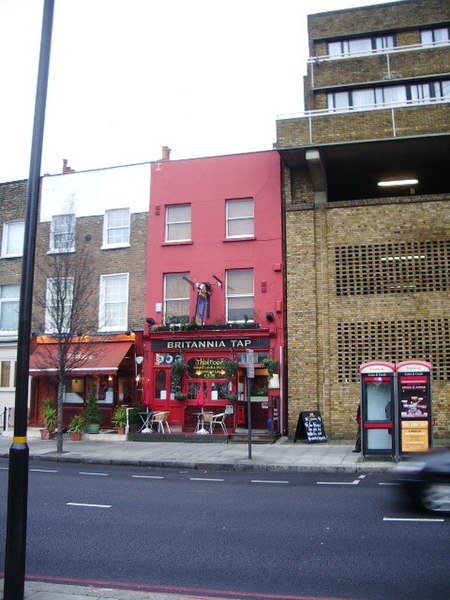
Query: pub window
[240, 295]
[240, 218]
[178, 223]
[161, 384]
[74, 390]
[176, 298]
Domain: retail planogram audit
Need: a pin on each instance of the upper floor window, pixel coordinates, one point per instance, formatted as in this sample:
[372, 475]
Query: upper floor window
[388, 96]
[178, 223]
[176, 298]
[240, 295]
[360, 46]
[62, 233]
[12, 239]
[113, 312]
[7, 373]
[58, 305]
[240, 218]
[439, 35]
[9, 308]
[116, 228]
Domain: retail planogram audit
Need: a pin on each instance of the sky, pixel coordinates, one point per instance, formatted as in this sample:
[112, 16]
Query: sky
[203, 77]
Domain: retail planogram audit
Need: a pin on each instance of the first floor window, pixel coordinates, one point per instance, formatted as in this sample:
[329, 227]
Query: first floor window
[440, 35]
[62, 233]
[9, 308]
[240, 295]
[58, 305]
[176, 298]
[116, 231]
[114, 302]
[12, 239]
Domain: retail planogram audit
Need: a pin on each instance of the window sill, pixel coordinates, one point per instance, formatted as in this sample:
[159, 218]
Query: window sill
[182, 243]
[247, 238]
[68, 251]
[11, 256]
[115, 246]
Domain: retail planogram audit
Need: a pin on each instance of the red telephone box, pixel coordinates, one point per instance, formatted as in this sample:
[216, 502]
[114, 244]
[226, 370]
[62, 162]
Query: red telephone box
[377, 408]
[414, 406]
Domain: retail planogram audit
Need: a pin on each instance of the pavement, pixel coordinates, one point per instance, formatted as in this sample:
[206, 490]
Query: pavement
[109, 448]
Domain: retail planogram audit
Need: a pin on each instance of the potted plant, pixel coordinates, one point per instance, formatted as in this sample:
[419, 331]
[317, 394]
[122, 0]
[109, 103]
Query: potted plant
[180, 396]
[271, 366]
[230, 367]
[75, 428]
[92, 415]
[49, 418]
[119, 419]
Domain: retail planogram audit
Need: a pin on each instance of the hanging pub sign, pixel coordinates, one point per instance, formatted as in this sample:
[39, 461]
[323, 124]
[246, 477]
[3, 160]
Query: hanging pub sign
[202, 304]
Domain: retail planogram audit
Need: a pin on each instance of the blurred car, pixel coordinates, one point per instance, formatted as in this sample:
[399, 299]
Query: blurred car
[425, 479]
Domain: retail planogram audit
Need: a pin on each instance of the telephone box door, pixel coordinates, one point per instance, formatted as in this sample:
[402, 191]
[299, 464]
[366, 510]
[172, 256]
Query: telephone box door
[377, 408]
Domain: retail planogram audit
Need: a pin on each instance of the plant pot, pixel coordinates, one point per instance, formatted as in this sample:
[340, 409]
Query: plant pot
[93, 428]
[75, 436]
[121, 430]
[46, 434]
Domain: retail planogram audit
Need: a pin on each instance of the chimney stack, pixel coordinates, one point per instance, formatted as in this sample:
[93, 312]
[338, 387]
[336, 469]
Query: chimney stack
[166, 153]
[66, 168]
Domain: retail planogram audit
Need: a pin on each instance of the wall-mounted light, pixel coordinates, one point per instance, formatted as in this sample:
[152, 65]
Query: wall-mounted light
[398, 183]
[150, 320]
[270, 317]
[139, 360]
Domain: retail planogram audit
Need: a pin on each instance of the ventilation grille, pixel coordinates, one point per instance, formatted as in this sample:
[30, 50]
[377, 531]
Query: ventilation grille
[393, 341]
[393, 268]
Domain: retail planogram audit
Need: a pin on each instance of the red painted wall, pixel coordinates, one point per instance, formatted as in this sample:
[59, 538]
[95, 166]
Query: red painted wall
[206, 183]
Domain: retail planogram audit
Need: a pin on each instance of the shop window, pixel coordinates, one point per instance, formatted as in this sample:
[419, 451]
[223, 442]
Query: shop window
[240, 299]
[240, 218]
[178, 223]
[9, 308]
[125, 390]
[116, 228]
[62, 233]
[114, 302]
[161, 384]
[74, 390]
[176, 298]
[12, 239]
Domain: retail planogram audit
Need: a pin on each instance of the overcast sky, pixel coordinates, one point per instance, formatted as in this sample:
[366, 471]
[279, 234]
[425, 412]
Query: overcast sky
[204, 77]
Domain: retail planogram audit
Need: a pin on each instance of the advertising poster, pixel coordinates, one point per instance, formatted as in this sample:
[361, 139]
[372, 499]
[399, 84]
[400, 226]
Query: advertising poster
[414, 396]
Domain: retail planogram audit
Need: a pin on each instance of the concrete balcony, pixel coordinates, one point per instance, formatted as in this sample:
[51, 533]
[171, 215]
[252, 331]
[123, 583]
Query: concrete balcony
[403, 63]
[400, 121]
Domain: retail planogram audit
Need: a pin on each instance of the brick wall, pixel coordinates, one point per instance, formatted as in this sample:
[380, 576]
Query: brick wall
[12, 208]
[317, 318]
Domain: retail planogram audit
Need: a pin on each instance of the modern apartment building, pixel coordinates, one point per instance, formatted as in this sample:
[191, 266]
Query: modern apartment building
[367, 209]
[92, 226]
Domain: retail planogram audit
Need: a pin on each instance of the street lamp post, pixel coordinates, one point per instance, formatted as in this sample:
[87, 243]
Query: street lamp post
[16, 526]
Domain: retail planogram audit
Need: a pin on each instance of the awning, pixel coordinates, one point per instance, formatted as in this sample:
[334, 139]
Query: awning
[83, 359]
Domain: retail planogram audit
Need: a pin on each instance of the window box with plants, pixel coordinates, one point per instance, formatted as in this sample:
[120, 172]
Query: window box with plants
[92, 415]
[75, 428]
[49, 418]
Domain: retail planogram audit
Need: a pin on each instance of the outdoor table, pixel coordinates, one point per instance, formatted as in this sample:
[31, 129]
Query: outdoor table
[146, 417]
[200, 428]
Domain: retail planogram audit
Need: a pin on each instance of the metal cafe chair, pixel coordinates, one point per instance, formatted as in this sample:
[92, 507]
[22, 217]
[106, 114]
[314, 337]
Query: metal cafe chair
[160, 419]
[218, 419]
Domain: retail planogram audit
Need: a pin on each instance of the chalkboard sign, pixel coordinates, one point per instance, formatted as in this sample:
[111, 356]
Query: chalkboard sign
[310, 427]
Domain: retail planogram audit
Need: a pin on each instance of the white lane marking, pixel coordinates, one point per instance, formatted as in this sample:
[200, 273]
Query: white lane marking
[418, 520]
[388, 483]
[88, 473]
[362, 476]
[147, 476]
[204, 479]
[268, 481]
[354, 482]
[43, 470]
[89, 505]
